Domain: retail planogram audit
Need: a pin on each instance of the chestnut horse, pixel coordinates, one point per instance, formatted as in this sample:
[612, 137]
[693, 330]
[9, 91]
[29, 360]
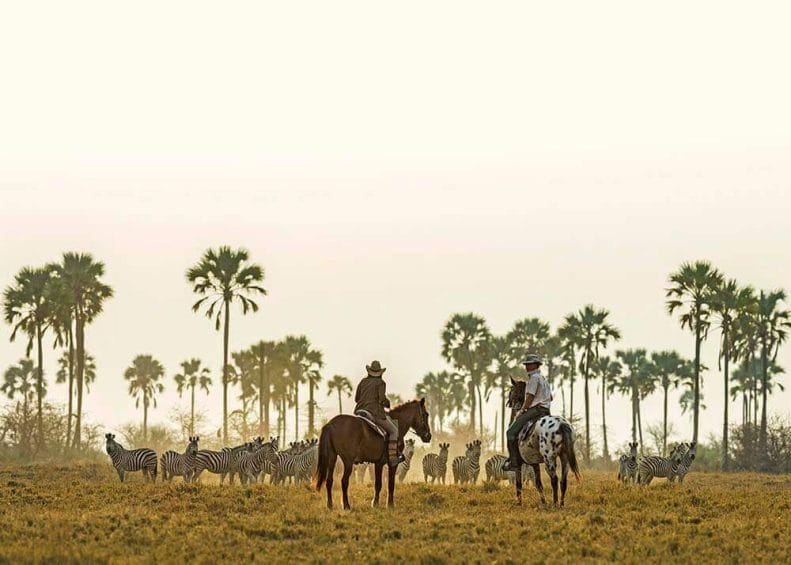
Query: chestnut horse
[354, 441]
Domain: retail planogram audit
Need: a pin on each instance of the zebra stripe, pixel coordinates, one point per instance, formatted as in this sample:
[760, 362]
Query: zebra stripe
[297, 464]
[127, 460]
[403, 467]
[175, 464]
[467, 467]
[224, 462]
[684, 461]
[655, 466]
[496, 473]
[253, 461]
[627, 465]
[436, 466]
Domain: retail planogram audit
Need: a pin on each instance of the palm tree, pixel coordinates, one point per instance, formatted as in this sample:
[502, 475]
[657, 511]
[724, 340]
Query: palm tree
[143, 375]
[342, 385]
[302, 363]
[609, 370]
[528, 336]
[457, 395]
[742, 379]
[729, 301]
[747, 343]
[773, 325]
[20, 380]
[569, 334]
[394, 399]
[265, 355]
[243, 373]
[553, 356]
[65, 374]
[637, 364]
[691, 292]
[500, 376]
[78, 277]
[466, 345]
[62, 321]
[593, 332]
[192, 375]
[26, 308]
[671, 369]
[222, 276]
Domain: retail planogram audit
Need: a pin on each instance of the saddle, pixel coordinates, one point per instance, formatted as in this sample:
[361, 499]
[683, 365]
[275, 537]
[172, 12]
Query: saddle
[366, 417]
[528, 444]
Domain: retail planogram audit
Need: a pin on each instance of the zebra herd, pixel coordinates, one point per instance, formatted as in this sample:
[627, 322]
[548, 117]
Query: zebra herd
[249, 461]
[642, 472]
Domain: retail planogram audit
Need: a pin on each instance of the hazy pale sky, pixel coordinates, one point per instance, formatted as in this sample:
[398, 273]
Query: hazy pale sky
[390, 165]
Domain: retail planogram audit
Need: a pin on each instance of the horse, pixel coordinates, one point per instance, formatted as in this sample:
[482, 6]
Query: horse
[354, 441]
[554, 437]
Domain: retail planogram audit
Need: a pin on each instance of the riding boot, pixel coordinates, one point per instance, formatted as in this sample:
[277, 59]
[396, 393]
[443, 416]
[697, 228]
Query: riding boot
[394, 457]
[513, 457]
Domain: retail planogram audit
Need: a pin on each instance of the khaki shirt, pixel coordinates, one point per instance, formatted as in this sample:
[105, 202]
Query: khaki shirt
[538, 386]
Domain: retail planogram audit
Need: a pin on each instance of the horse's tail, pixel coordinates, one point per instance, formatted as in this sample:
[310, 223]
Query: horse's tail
[568, 445]
[322, 468]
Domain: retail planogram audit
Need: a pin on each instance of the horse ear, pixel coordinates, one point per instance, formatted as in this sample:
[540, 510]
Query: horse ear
[513, 382]
[423, 401]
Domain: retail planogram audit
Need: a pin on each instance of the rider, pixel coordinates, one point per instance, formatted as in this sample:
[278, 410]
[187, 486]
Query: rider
[538, 397]
[371, 398]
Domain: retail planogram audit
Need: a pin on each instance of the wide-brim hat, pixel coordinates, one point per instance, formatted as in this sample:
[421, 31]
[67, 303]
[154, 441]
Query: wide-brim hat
[532, 358]
[375, 369]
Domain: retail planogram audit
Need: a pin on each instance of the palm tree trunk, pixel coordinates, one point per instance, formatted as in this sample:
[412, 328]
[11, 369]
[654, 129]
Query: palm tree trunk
[226, 332]
[283, 416]
[726, 400]
[606, 452]
[311, 413]
[664, 422]
[296, 411]
[480, 409]
[754, 393]
[471, 391]
[80, 328]
[502, 419]
[192, 411]
[696, 405]
[764, 395]
[261, 426]
[145, 417]
[640, 425]
[634, 413]
[563, 399]
[71, 387]
[39, 392]
[340, 404]
[587, 411]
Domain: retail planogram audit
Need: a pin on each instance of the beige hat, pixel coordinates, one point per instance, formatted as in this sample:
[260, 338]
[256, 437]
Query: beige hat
[532, 358]
[375, 369]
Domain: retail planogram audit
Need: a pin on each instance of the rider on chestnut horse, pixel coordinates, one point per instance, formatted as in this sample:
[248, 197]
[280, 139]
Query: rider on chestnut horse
[371, 401]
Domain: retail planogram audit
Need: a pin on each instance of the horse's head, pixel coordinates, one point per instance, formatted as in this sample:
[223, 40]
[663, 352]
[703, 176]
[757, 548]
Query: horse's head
[516, 396]
[413, 415]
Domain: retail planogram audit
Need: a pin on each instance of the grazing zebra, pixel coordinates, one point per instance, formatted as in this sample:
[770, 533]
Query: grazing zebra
[127, 460]
[175, 464]
[655, 466]
[436, 466]
[495, 472]
[253, 461]
[687, 454]
[467, 467]
[403, 467]
[221, 462]
[627, 465]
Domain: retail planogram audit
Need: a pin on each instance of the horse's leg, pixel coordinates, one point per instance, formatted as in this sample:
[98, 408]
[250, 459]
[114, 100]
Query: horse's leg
[539, 486]
[518, 484]
[333, 458]
[563, 479]
[347, 471]
[391, 477]
[377, 483]
[551, 463]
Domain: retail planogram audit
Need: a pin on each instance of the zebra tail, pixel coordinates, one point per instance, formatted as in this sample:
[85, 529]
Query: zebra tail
[324, 457]
[568, 445]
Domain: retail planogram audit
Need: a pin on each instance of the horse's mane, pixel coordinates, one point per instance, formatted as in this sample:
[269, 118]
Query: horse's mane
[404, 405]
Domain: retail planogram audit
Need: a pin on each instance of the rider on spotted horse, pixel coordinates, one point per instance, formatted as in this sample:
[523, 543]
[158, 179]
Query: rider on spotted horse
[371, 401]
[536, 404]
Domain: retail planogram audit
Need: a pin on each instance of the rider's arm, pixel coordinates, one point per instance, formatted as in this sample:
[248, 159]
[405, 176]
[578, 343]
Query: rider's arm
[357, 394]
[531, 389]
[528, 401]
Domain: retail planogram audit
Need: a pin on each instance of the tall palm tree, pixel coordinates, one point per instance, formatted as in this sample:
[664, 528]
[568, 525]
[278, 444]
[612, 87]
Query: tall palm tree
[528, 336]
[504, 368]
[192, 375]
[79, 276]
[302, 363]
[637, 364]
[457, 395]
[265, 355]
[62, 321]
[691, 291]
[144, 375]
[243, 373]
[467, 345]
[342, 386]
[553, 356]
[609, 370]
[20, 380]
[26, 308]
[569, 333]
[65, 375]
[742, 384]
[593, 333]
[774, 322]
[670, 369]
[224, 276]
[747, 344]
[728, 302]
[434, 387]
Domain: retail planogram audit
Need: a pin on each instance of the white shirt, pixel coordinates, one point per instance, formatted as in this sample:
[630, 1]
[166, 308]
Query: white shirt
[538, 386]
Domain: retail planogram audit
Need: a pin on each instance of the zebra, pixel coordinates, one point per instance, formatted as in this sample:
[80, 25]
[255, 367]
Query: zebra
[436, 466]
[252, 461]
[655, 466]
[299, 464]
[687, 454]
[223, 462]
[495, 472]
[467, 467]
[627, 465]
[175, 464]
[307, 462]
[403, 467]
[127, 460]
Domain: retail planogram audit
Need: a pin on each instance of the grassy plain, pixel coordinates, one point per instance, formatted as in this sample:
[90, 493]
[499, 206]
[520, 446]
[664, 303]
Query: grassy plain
[83, 513]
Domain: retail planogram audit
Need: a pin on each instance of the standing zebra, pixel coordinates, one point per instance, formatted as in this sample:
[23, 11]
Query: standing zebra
[496, 473]
[403, 467]
[687, 454]
[253, 461]
[127, 460]
[467, 467]
[298, 464]
[655, 466]
[174, 464]
[627, 465]
[436, 466]
[221, 462]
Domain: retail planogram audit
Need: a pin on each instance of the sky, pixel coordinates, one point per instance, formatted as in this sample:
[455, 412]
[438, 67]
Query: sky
[390, 165]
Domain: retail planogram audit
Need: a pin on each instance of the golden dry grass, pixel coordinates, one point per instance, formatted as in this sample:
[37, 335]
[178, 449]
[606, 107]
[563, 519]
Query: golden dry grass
[82, 513]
